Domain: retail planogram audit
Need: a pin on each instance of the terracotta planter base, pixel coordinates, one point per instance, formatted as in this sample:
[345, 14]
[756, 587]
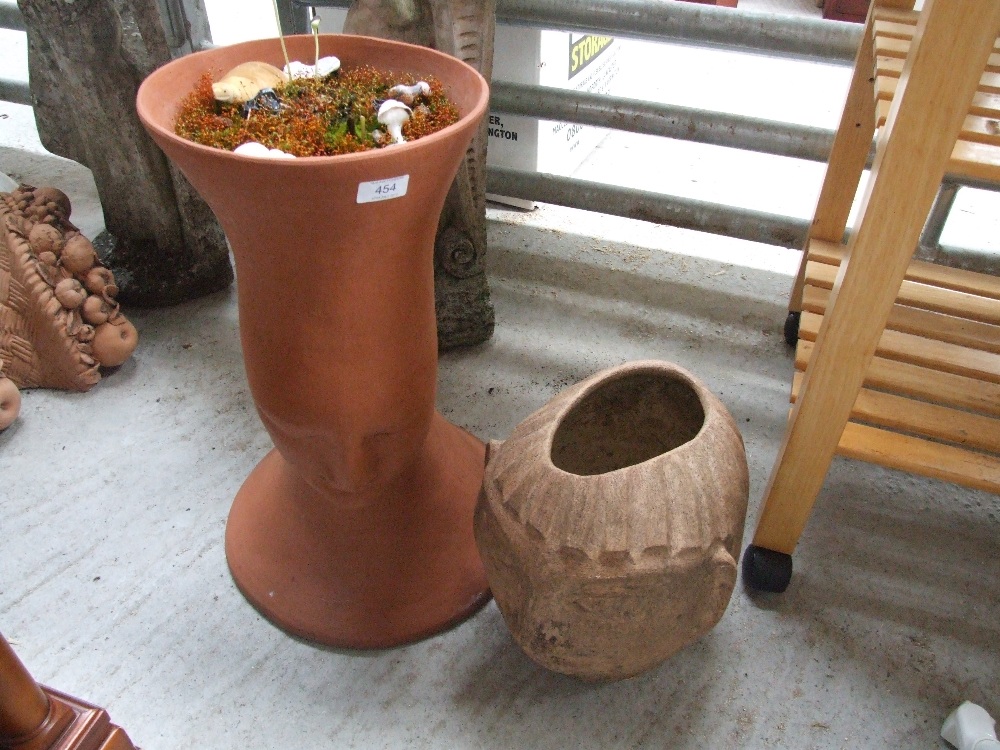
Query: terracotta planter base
[341, 570]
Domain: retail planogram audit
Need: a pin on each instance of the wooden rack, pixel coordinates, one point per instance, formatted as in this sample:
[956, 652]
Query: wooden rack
[897, 361]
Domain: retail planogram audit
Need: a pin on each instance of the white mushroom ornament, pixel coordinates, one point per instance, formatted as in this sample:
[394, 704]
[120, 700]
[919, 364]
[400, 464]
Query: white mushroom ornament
[324, 66]
[407, 94]
[394, 114]
[253, 148]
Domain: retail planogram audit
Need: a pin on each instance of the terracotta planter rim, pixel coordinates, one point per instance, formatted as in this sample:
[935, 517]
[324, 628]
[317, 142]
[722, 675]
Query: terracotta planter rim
[302, 162]
[605, 378]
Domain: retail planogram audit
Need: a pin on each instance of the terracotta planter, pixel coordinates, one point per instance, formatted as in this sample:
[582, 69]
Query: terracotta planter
[356, 531]
[611, 521]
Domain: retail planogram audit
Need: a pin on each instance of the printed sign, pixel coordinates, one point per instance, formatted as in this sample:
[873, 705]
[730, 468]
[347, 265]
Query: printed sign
[584, 50]
[383, 190]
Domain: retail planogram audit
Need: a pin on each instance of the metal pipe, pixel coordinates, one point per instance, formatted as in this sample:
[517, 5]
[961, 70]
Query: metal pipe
[930, 237]
[295, 15]
[690, 23]
[10, 16]
[686, 213]
[12, 90]
[668, 120]
[685, 23]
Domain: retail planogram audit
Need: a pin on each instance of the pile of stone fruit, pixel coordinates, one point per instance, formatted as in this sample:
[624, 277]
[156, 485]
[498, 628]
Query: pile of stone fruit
[10, 400]
[82, 290]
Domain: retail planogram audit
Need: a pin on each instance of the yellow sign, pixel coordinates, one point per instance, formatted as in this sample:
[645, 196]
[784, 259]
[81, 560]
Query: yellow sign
[585, 50]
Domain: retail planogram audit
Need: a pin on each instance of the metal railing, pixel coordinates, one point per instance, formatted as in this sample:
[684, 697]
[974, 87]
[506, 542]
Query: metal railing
[661, 21]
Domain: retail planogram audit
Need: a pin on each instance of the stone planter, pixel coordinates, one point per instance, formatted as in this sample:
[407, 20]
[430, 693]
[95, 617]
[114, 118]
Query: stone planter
[356, 531]
[611, 521]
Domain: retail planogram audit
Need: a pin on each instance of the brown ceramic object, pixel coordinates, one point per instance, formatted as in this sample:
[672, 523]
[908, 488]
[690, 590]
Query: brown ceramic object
[47, 274]
[356, 531]
[611, 521]
[33, 717]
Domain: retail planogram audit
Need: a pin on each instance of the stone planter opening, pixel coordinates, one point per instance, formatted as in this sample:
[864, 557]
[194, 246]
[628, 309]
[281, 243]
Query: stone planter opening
[627, 421]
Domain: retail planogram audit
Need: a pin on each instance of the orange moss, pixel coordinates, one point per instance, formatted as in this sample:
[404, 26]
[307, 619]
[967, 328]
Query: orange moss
[318, 118]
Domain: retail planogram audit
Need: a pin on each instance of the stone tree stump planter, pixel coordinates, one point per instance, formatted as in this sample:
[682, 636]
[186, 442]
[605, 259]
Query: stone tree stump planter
[86, 60]
[356, 531]
[463, 29]
[611, 520]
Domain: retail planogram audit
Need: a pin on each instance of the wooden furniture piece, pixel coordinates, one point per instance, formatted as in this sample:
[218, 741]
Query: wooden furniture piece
[33, 717]
[898, 362]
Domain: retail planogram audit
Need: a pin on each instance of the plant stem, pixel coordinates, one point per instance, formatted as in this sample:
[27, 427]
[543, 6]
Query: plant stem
[315, 28]
[281, 36]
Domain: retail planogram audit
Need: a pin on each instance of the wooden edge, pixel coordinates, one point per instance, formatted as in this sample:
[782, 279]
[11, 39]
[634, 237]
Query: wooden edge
[924, 296]
[934, 325]
[885, 85]
[893, 66]
[919, 271]
[983, 105]
[934, 355]
[912, 380]
[967, 468]
[890, 411]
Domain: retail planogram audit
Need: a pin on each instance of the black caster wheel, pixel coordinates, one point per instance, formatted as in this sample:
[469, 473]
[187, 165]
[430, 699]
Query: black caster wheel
[766, 570]
[792, 328]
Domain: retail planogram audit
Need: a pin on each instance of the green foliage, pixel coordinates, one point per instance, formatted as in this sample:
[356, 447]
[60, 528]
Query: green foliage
[335, 134]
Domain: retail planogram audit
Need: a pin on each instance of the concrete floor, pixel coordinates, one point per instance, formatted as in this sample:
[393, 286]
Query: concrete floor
[114, 586]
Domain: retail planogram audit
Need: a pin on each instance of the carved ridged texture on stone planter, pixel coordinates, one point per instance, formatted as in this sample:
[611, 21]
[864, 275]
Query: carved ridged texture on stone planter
[606, 557]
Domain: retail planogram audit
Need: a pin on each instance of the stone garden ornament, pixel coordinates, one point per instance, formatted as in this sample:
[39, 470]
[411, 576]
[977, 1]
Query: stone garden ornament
[463, 29]
[611, 520]
[60, 322]
[86, 60]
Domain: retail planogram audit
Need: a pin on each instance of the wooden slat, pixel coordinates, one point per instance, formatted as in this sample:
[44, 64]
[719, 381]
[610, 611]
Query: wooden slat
[886, 29]
[893, 66]
[919, 382]
[980, 161]
[924, 296]
[974, 128]
[932, 421]
[967, 468]
[888, 47]
[899, 29]
[980, 130]
[920, 271]
[985, 105]
[896, 15]
[934, 325]
[885, 86]
[937, 355]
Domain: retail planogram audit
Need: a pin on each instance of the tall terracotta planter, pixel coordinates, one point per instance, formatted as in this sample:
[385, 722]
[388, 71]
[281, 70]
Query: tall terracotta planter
[356, 531]
[611, 520]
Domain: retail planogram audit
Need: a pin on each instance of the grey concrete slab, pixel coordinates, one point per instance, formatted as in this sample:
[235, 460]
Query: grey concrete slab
[114, 587]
